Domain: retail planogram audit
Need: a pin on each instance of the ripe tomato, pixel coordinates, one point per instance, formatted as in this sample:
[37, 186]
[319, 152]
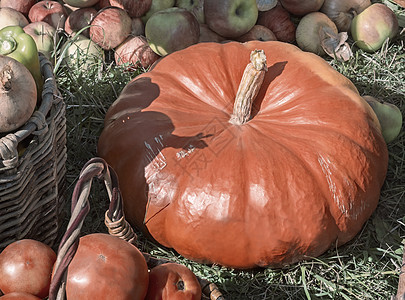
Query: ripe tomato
[106, 267]
[26, 266]
[172, 281]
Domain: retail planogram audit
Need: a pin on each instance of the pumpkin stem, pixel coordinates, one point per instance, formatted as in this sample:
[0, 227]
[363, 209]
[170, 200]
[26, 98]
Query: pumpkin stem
[249, 87]
[6, 74]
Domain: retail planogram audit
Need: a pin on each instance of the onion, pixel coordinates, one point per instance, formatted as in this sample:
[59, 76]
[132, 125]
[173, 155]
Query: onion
[342, 12]
[18, 94]
[308, 32]
[318, 34]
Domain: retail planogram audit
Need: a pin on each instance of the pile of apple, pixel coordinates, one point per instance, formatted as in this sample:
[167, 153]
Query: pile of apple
[140, 32]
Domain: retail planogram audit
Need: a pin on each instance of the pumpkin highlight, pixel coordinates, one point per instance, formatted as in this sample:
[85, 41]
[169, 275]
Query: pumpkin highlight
[302, 174]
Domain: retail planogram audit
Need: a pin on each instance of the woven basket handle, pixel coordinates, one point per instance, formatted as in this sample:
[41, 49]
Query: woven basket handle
[114, 219]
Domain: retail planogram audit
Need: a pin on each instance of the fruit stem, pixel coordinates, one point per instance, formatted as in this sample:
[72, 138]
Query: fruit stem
[5, 78]
[7, 46]
[249, 87]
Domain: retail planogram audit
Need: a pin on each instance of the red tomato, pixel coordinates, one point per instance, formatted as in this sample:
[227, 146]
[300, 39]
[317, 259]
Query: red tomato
[106, 267]
[172, 281]
[26, 266]
[19, 296]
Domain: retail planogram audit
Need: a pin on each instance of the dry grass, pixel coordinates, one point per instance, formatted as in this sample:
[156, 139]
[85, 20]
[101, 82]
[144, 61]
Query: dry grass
[365, 268]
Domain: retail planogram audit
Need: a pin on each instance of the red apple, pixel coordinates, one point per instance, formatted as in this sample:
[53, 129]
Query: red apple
[80, 19]
[278, 20]
[135, 9]
[51, 12]
[10, 16]
[81, 3]
[259, 33]
[44, 36]
[373, 26]
[135, 52]
[110, 27]
[23, 6]
[172, 281]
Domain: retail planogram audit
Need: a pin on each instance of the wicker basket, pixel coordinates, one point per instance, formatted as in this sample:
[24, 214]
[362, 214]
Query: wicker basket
[32, 170]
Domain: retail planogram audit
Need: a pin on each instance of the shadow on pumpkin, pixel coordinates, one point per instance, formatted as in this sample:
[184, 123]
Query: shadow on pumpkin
[150, 133]
[271, 74]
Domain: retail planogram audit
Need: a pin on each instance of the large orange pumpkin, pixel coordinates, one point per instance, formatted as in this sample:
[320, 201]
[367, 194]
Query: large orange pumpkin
[303, 174]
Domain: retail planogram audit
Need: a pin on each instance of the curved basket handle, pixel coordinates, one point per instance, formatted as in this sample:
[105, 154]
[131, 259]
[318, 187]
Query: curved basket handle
[115, 220]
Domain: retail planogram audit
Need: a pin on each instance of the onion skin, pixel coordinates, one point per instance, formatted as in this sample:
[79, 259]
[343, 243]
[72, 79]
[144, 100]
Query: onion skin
[308, 32]
[301, 7]
[18, 94]
[342, 12]
[279, 22]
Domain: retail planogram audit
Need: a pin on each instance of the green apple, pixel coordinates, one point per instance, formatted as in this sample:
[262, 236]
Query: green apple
[389, 116]
[230, 18]
[195, 6]
[156, 6]
[373, 26]
[171, 29]
[44, 36]
[82, 52]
